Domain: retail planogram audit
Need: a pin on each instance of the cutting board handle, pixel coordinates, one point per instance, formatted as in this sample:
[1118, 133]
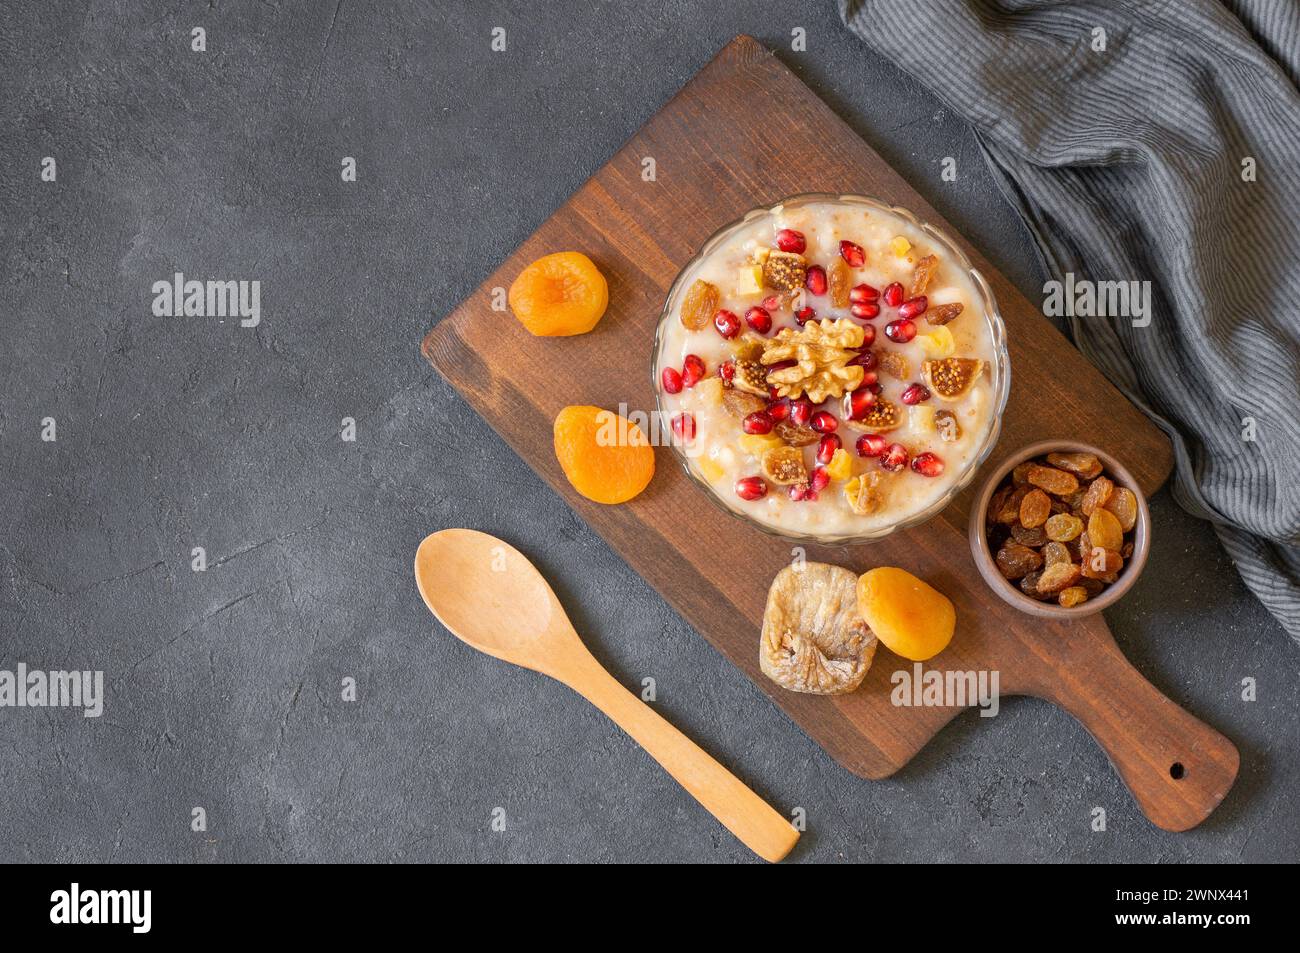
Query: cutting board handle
[1177, 767]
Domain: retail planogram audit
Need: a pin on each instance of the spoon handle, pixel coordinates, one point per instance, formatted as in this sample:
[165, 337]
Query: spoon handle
[727, 798]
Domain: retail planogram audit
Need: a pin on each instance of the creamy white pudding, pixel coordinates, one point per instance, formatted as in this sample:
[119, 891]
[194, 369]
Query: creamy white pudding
[825, 325]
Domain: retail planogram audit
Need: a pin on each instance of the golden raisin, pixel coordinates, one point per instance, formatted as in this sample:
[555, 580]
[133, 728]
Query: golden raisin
[1098, 492]
[1072, 596]
[1063, 527]
[1054, 481]
[1104, 530]
[1123, 503]
[1035, 508]
[700, 305]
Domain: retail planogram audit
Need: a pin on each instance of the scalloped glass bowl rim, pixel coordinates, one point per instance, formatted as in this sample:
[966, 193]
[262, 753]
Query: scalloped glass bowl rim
[1001, 370]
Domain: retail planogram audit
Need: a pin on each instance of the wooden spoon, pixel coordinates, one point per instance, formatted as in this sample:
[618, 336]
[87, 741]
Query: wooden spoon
[490, 596]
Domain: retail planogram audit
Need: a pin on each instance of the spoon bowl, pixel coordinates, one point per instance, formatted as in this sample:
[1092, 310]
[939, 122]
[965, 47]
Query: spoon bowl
[488, 595]
[513, 614]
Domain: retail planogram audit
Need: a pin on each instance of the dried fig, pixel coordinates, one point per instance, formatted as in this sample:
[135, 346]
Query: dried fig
[814, 639]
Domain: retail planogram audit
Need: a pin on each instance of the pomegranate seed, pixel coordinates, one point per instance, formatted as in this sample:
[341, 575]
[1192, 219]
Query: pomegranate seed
[827, 446]
[867, 358]
[779, 410]
[758, 422]
[853, 254]
[824, 422]
[927, 464]
[869, 379]
[759, 319]
[804, 315]
[727, 323]
[800, 412]
[862, 294]
[787, 239]
[900, 331]
[780, 366]
[692, 370]
[797, 491]
[871, 445]
[912, 307]
[915, 394]
[684, 427]
[773, 393]
[772, 302]
[751, 488]
[868, 335]
[818, 479]
[894, 458]
[858, 403]
[727, 370]
[894, 294]
[671, 380]
[865, 310]
[816, 280]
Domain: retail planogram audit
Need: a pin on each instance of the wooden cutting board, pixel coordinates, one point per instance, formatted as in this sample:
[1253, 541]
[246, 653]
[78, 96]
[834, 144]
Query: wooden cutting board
[746, 132]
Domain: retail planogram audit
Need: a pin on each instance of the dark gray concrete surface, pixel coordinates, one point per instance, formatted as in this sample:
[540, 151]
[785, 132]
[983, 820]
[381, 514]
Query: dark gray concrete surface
[224, 686]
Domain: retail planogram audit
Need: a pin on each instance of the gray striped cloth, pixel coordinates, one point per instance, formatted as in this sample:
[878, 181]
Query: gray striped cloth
[1171, 155]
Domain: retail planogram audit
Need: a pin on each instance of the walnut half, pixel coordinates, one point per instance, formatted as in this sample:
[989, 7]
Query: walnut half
[821, 351]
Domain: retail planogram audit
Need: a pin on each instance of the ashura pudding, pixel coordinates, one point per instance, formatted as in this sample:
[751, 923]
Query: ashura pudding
[830, 368]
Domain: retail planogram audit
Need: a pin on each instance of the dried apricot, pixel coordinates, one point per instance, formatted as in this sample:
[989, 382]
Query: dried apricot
[1054, 481]
[1035, 508]
[911, 617]
[700, 305]
[605, 456]
[559, 295]
[1123, 503]
[1098, 492]
[1104, 530]
[1063, 527]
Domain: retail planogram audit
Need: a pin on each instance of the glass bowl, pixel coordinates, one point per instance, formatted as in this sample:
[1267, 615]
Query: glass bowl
[1000, 367]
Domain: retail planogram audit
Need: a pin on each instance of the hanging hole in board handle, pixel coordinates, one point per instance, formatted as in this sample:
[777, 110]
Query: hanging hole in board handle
[1177, 771]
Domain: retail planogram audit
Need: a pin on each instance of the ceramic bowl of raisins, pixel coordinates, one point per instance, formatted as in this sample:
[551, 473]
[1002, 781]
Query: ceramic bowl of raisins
[1060, 529]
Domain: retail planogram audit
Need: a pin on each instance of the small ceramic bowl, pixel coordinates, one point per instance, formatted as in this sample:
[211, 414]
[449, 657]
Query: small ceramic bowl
[1008, 590]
